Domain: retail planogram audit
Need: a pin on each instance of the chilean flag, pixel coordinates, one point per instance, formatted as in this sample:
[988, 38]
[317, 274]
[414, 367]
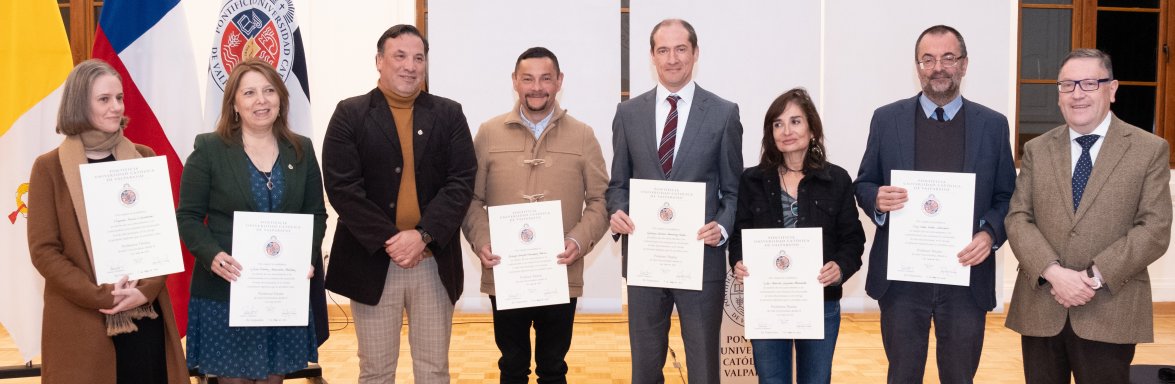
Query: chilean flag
[147, 42]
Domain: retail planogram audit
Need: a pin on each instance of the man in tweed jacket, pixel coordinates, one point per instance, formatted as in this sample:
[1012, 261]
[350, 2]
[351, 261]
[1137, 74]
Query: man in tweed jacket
[1092, 209]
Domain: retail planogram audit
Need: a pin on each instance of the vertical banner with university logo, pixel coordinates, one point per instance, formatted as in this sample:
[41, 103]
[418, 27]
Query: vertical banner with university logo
[737, 362]
[267, 30]
[34, 61]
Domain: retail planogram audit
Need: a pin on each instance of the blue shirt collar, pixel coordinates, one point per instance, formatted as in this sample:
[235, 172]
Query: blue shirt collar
[536, 128]
[949, 110]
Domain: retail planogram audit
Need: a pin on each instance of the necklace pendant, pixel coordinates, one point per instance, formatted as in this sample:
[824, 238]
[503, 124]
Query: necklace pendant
[269, 184]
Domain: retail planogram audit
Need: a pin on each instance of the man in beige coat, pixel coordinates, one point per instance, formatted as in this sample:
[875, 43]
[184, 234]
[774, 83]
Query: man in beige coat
[537, 152]
[1087, 218]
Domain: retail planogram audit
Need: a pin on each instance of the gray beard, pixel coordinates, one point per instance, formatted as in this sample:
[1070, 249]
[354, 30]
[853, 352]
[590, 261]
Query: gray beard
[941, 98]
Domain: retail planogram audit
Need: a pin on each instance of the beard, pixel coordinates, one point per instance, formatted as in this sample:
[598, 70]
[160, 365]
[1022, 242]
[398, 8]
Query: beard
[539, 108]
[941, 96]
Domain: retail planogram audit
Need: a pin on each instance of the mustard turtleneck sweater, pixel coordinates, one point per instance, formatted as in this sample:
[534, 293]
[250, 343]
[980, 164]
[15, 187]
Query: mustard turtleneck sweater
[407, 206]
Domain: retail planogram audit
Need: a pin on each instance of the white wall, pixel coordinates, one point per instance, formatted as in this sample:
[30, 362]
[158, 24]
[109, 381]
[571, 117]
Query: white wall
[853, 56]
[748, 54]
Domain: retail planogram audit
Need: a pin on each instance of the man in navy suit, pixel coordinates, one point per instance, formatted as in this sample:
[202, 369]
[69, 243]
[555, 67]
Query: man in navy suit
[937, 130]
[678, 132]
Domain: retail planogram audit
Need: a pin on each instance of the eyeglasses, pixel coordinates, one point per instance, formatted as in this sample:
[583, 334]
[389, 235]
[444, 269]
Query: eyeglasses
[1088, 85]
[948, 61]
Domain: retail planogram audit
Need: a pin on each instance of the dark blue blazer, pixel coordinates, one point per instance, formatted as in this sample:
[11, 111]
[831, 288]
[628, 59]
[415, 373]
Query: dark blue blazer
[988, 155]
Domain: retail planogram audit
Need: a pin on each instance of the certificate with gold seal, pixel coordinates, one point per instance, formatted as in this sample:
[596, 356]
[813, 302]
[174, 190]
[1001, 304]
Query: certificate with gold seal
[274, 251]
[529, 238]
[664, 250]
[131, 218]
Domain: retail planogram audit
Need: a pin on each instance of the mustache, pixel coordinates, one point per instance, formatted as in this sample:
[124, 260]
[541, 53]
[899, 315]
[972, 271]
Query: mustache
[941, 75]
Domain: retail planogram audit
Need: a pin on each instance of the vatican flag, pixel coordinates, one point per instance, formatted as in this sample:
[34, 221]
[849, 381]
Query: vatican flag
[34, 61]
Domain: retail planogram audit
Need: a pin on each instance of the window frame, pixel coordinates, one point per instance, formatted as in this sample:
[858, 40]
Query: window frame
[1083, 34]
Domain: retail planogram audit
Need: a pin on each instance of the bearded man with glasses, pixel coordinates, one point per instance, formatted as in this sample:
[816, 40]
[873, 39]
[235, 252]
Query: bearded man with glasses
[936, 130]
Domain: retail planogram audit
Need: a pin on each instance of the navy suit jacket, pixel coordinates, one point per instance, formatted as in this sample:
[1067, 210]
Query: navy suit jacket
[988, 155]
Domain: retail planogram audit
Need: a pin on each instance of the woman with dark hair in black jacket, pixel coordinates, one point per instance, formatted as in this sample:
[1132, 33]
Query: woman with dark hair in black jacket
[794, 186]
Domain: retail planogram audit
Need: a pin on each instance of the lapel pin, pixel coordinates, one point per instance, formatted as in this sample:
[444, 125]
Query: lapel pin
[419, 132]
[290, 166]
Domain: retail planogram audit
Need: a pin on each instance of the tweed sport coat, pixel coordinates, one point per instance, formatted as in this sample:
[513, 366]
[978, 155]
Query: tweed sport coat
[1122, 225]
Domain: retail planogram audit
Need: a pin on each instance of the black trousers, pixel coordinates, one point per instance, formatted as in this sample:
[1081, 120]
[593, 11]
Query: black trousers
[140, 357]
[552, 329]
[1053, 359]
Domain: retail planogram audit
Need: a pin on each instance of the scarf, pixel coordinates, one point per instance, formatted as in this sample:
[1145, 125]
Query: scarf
[72, 154]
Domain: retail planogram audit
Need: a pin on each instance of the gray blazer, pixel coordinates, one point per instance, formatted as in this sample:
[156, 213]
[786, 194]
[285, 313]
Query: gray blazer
[710, 151]
[1122, 226]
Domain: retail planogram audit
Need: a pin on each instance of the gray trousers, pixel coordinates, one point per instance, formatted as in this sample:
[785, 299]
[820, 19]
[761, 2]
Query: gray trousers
[419, 292]
[700, 312]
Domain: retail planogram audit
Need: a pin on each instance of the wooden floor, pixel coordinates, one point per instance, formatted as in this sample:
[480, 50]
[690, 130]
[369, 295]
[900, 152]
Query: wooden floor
[600, 352]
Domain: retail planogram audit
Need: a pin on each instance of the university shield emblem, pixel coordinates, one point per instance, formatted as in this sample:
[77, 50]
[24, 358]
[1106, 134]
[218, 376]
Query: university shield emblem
[253, 28]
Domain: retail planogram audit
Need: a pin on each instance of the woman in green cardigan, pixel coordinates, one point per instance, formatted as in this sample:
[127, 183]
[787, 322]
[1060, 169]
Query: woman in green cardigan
[252, 162]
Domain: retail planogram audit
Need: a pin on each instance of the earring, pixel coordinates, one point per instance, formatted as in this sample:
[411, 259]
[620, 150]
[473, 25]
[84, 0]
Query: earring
[236, 117]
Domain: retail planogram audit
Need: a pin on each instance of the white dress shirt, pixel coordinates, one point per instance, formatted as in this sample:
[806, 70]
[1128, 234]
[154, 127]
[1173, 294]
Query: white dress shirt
[1075, 148]
[686, 93]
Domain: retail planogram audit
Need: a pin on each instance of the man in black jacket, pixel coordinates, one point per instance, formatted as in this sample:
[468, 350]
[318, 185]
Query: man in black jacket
[399, 168]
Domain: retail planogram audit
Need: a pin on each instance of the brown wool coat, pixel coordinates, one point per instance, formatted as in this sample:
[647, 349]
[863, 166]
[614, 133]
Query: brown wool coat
[572, 171]
[75, 348]
[1122, 225]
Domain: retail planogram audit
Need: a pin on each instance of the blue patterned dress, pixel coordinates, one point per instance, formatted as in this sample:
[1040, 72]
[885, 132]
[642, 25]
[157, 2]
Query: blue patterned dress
[248, 352]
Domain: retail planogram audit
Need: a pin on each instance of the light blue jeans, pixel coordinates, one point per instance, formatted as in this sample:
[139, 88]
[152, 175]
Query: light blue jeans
[773, 358]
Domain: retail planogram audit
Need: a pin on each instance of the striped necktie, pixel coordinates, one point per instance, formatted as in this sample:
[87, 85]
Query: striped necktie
[668, 136]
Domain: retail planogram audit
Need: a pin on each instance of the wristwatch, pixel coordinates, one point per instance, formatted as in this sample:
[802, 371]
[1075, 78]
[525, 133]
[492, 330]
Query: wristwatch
[424, 236]
[1098, 280]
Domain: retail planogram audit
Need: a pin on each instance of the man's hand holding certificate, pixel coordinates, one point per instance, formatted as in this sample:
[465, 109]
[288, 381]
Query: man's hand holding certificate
[935, 223]
[528, 239]
[664, 250]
